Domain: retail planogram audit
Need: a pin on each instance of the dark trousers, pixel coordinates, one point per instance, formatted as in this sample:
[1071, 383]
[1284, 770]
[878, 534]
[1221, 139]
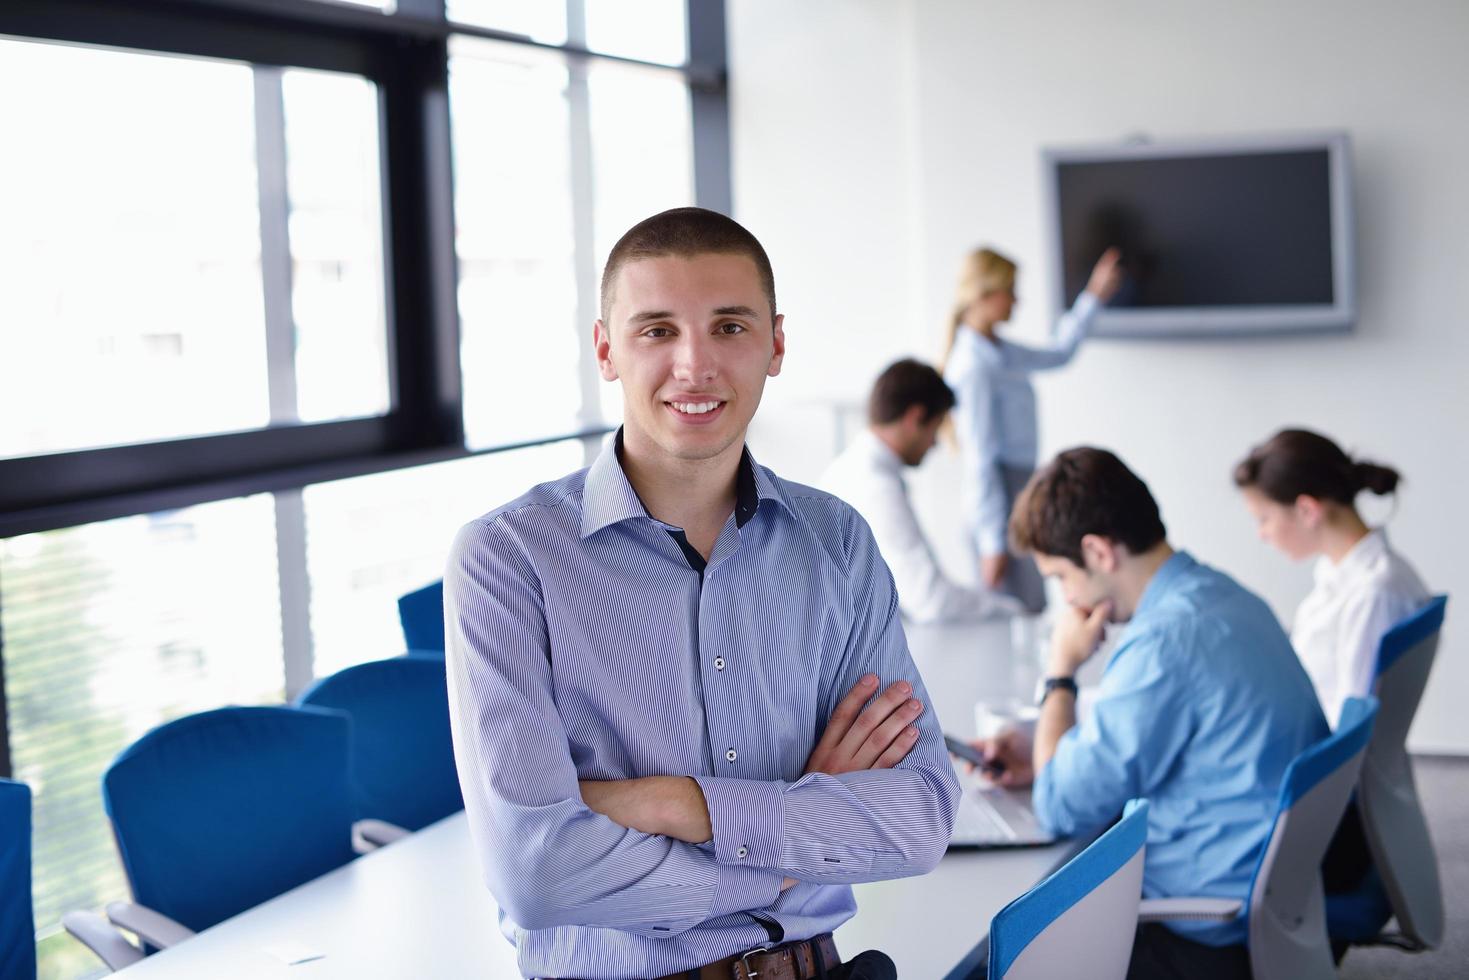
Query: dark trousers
[870, 965]
[1022, 579]
[1158, 953]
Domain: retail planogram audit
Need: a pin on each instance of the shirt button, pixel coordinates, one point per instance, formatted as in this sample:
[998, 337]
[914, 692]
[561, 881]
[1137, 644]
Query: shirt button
[718, 663]
[731, 755]
[742, 852]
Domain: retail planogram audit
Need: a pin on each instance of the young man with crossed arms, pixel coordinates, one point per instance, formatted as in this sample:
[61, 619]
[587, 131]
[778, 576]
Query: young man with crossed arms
[685, 717]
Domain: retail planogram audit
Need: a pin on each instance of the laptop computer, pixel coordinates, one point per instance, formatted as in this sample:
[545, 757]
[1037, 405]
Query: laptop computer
[989, 816]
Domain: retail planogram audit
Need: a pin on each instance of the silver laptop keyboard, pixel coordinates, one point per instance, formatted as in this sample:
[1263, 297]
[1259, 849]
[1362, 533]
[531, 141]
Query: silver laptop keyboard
[994, 816]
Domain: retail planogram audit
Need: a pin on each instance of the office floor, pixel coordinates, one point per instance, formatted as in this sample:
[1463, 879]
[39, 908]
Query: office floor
[1443, 784]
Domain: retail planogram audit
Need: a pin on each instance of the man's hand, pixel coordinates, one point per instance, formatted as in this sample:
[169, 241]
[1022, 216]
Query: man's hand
[877, 737]
[1106, 277]
[1077, 636]
[672, 806]
[1010, 751]
[992, 569]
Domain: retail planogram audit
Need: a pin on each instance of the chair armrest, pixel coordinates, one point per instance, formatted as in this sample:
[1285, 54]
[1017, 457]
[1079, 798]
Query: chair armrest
[154, 928]
[1197, 909]
[95, 933]
[369, 835]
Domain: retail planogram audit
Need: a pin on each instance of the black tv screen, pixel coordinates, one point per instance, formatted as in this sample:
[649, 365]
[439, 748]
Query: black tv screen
[1227, 238]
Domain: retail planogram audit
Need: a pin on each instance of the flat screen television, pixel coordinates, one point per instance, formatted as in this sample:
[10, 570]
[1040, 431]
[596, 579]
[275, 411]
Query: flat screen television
[1217, 237]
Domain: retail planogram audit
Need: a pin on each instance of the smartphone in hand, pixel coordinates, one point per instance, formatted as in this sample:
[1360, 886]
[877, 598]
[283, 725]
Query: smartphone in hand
[967, 752]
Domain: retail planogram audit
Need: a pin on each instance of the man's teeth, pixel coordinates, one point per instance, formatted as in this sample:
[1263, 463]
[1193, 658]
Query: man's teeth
[695, 408]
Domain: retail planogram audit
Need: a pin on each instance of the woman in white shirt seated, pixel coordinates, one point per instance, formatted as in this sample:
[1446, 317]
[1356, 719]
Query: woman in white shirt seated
[1302, 490]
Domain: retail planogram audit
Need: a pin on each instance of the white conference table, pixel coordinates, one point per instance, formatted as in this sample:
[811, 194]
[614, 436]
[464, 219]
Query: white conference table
[418, 908]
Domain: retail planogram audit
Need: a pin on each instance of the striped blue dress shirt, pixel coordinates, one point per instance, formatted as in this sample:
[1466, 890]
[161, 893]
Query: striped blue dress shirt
[582, 644]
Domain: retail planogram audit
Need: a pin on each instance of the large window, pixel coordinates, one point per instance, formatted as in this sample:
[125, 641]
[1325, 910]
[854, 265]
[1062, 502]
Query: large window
[111, 629]
[288, 293]
[139, 300]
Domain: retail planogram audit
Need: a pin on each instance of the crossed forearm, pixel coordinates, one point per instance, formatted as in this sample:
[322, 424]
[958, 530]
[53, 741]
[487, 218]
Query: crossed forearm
[672, 806]
[858, 736]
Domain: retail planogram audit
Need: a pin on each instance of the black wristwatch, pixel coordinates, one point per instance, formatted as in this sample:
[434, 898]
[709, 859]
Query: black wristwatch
[1057, 684]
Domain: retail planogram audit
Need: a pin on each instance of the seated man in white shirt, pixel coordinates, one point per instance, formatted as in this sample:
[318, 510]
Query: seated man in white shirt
[908, 404]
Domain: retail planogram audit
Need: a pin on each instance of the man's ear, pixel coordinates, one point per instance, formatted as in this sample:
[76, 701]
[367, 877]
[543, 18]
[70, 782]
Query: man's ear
[1099, 553]
[1309, 511]
[913, 417]
[602, 344]
[778, 339]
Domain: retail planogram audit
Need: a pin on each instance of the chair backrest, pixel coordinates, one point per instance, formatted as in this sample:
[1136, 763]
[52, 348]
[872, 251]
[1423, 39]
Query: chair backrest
[1081, 920]
[1286, 905]
[422, 614]
[217, 812]
[17, 921]
[1392, 817]
[402, 750]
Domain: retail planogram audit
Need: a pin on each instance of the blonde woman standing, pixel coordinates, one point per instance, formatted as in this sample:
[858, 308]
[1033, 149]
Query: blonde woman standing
[995, 418]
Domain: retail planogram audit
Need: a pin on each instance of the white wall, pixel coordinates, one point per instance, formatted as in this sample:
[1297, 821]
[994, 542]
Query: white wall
[876, 141]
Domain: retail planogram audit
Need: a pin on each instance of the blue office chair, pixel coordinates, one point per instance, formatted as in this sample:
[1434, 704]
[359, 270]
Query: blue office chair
[1081, 920]
[1285, 911]
[1404, 880]
[17, 922]
[217, 812]
[402, 751]
[422, 615]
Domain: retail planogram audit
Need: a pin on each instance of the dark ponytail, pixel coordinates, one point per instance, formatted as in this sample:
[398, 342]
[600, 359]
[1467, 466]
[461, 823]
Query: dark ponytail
[1380, 480]
[1296, 462]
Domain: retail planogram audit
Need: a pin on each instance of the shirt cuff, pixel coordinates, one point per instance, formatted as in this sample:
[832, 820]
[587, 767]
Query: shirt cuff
[1040, 798]
[748, 818]
[742, 889]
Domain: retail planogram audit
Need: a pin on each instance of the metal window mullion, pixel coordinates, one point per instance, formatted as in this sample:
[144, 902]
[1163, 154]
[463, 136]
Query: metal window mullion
[709, 105]
[6, 764]
[294, 583]
[295, 591]
[275, 243]
[583, 200]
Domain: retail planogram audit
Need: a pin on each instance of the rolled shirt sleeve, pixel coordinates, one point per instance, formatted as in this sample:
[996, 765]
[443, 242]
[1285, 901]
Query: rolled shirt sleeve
[1140, 722]
[1072, 327]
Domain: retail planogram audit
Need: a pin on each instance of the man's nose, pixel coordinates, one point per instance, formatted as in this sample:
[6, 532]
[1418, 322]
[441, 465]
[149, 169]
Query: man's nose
[696, 359]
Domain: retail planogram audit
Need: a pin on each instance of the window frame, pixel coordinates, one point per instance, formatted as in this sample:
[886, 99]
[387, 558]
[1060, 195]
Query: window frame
[405, 53]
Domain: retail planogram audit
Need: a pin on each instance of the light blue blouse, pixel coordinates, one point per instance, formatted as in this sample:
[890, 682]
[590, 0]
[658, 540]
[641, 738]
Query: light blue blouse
[995, 416]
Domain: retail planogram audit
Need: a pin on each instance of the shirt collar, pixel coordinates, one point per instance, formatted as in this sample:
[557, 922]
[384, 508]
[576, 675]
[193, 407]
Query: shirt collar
[608, 498]
[881, 453]
[1366, 551]
[1181, 563]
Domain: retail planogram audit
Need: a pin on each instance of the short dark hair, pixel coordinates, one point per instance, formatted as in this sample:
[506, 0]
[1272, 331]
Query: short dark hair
[1084, 491]
[686, 232]
[904, 384]
[1296, 462]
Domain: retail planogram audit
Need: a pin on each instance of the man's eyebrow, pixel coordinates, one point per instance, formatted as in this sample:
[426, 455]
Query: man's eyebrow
[649, 316]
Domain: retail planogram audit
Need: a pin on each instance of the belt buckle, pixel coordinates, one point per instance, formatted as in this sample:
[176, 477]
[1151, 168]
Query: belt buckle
[750, 972]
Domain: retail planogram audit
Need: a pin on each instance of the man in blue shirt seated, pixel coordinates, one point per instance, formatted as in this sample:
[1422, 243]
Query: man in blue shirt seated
[1203, 703]
[658, 666]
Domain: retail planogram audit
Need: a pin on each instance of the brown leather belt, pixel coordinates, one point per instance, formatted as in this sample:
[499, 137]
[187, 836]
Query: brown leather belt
[789, 961]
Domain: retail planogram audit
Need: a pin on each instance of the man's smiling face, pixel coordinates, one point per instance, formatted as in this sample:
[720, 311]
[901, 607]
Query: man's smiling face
[692, 340]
